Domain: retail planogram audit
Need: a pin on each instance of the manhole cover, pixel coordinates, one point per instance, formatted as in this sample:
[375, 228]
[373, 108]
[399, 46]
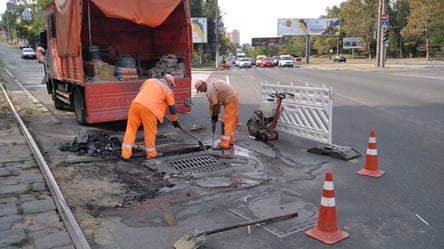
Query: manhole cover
[197, 165]
[263, 205]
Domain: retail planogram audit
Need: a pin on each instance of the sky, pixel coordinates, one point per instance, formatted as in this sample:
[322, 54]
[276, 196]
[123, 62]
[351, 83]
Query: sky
[258, 18]
[2, 6]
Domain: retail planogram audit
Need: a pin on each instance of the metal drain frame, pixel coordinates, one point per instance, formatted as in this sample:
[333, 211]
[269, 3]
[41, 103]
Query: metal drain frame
[197, 164]
[161, 140]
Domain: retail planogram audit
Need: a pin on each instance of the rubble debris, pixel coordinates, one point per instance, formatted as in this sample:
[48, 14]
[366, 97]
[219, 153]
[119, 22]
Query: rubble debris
[91, 143]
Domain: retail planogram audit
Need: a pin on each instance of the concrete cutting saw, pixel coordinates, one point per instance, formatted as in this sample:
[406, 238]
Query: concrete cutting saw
[262, 124]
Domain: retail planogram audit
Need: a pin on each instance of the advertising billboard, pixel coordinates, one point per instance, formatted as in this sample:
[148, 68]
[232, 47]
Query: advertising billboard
[256, 42]
[307, 26]
[199, 29]
[351, 42]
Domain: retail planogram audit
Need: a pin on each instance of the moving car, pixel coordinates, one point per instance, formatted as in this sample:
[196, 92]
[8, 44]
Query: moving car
[28, 53]
[340, 59]
[267, 62]
[259, 59]
[276, 60]
[286, 61]
[239, 56]
[23, 44]
[245, 62]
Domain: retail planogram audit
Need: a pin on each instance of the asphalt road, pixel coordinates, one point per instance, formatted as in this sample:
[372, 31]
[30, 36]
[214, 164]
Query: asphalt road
[404, 104]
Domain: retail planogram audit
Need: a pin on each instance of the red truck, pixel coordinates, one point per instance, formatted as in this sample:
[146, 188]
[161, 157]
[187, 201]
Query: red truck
[99, 52]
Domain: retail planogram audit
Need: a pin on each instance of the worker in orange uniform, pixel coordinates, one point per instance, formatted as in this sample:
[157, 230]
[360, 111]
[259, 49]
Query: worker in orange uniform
[150, 104]
[220, 93]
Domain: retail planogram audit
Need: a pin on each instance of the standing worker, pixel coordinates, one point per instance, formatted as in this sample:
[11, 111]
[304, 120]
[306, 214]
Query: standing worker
[150, 104]
[220, 93]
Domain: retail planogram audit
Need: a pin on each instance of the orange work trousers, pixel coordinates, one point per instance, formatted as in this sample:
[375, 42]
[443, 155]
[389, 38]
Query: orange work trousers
[230, 120]
[139, 114]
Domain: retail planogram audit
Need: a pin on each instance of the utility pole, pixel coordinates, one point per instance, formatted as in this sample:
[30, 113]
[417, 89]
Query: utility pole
[217, 34]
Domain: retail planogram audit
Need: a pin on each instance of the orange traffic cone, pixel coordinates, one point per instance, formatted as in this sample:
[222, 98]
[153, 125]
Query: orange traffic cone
[327, 230]
[371, 159]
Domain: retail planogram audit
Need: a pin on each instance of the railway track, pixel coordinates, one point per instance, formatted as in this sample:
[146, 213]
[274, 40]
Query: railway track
[72, 227]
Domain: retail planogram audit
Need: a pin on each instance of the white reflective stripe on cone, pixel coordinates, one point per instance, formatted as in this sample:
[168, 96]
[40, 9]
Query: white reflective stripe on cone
[328, 202]
[372, 152]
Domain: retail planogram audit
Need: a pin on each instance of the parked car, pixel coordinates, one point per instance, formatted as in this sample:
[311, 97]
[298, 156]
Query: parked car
[267, 62]
[245, 62]
[40, 53]
[253, 61]
[286, 61]
[340, 59]
[259, 59]
[23, 44]
[276, 60]
[28, 53]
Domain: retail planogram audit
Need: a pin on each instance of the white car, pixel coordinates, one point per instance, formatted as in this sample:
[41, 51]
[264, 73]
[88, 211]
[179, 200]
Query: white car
[28, 53]
[286, 61]
[244, 62]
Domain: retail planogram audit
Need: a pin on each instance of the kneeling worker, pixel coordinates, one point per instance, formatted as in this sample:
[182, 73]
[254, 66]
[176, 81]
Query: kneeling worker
[150, 104]
[220, 93]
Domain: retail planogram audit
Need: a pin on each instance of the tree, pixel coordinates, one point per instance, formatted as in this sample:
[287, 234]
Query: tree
[397, 12]
[359, 19]
[425, 17]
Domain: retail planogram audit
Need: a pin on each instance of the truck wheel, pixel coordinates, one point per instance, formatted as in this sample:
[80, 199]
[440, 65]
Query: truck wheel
[58, 104]
[79, 106]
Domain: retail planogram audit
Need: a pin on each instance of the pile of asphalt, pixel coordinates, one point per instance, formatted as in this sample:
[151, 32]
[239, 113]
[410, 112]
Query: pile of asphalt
[92, 143]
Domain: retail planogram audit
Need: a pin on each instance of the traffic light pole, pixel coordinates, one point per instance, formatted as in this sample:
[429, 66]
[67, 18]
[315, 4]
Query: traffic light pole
[382, 48]
[378, 34]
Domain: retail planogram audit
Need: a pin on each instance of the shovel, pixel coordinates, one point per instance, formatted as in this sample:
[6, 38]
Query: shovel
[195, 239]
[201, 145]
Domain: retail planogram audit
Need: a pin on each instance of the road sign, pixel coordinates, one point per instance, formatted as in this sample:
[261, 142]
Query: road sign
[384, 17]
[385, 35]
[384, 24]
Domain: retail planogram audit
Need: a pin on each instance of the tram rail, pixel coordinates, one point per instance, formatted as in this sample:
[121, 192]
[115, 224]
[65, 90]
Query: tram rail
[63, 209]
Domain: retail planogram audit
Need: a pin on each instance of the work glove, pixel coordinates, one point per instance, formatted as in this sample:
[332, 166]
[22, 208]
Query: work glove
[176, 124]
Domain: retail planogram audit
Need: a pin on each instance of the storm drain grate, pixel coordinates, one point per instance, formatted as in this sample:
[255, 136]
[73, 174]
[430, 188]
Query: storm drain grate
[197, 165]
[164, 140]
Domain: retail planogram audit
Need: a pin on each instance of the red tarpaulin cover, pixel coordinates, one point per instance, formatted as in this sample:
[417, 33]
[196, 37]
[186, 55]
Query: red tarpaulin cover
[68, 17]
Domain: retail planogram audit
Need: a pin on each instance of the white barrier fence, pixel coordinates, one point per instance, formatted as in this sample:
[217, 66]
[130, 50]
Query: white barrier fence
[307, 114]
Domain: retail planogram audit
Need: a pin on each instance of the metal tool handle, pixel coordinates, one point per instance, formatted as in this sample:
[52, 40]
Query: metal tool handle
[248, 223]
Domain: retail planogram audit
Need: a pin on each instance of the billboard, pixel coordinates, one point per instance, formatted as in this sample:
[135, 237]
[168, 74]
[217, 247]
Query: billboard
[256, 42]
[199, 29]
[307, 26]
[351, 42]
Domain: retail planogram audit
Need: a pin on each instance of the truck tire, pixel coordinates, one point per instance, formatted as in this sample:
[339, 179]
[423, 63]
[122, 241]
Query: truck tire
[79, 106]
[58, 104]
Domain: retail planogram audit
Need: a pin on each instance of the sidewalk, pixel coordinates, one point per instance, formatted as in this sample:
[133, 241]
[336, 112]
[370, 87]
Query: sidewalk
[28, 215]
